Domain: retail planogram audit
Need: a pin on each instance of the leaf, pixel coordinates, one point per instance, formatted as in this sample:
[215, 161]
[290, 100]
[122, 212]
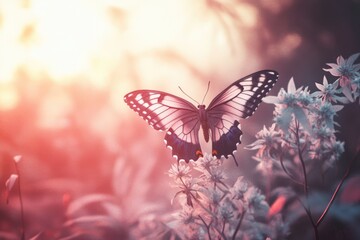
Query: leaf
[346, 91]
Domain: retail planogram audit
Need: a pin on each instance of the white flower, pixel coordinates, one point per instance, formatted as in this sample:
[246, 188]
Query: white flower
[178, 171]
[344, 67]
[214, 196]
[214, 175]
[239, 188]
[291, 103]
[348, 72]
[226, 210]
[266, 140]
[325, 114]
[329, 91]
[256, 202]
[186, 216]
[206, 162]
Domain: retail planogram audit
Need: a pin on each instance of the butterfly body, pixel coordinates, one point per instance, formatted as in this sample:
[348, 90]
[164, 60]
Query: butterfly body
[219, 121]
[204, 122]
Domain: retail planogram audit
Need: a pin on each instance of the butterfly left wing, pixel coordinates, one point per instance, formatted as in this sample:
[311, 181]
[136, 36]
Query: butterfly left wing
[239, 100]
[166, 112]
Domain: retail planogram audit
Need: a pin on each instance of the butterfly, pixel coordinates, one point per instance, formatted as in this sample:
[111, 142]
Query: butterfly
[220, 120]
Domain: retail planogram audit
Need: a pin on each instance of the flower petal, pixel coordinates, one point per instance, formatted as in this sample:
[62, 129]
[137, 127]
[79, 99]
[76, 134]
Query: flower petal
[291, 86]
[319, 86]
[350, 61]
[271, 99]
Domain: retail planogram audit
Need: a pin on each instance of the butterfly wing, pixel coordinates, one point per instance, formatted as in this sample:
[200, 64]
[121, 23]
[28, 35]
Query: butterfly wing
[166, 112]
[239, 100]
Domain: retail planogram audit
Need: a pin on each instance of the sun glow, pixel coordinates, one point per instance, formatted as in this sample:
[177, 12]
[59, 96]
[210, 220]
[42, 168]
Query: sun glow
[132, 43]
[58, 38]
[67, 41]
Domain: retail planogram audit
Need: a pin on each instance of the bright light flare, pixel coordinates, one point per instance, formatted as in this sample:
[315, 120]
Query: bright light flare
[69, 33]
[58, 38]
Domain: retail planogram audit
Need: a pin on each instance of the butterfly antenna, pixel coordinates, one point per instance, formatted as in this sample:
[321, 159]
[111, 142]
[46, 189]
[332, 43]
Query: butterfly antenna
[207, 90]
[189, 96]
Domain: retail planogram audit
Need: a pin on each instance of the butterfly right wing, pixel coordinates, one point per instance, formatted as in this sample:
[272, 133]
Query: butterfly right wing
[239, 100]
[166, 112]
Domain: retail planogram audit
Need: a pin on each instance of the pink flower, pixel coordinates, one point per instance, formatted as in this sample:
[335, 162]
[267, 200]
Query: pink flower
[348, 72]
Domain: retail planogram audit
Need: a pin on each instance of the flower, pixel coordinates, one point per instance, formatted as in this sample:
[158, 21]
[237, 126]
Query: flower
[214, 211]
[356, 86]
[214, 196]
[186, 216]
[329, 92]
[256, 202]
[207, 162]
[189, 188]
[344, 67]
[239, 188]
[333, 149]
[178, 171]
[267, 139]
[226, 210]
[325, 114]
[291, 103]
[214, 175]
[348, 72]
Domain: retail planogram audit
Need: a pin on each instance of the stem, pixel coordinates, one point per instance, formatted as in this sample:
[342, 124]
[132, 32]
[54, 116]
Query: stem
[314, 225]
[288, 173]
[223, 228]
[307, 207]
[321, 218]
[196, 200]
[207, 227]
[238, 225]
[301, 160]
[21, 204]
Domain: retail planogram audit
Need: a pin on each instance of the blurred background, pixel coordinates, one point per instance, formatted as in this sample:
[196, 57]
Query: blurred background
[66, 65]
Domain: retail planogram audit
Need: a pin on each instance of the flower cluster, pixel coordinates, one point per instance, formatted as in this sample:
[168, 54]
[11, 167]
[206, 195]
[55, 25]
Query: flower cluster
[214, 209]
[303, 133]
[300, 141]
